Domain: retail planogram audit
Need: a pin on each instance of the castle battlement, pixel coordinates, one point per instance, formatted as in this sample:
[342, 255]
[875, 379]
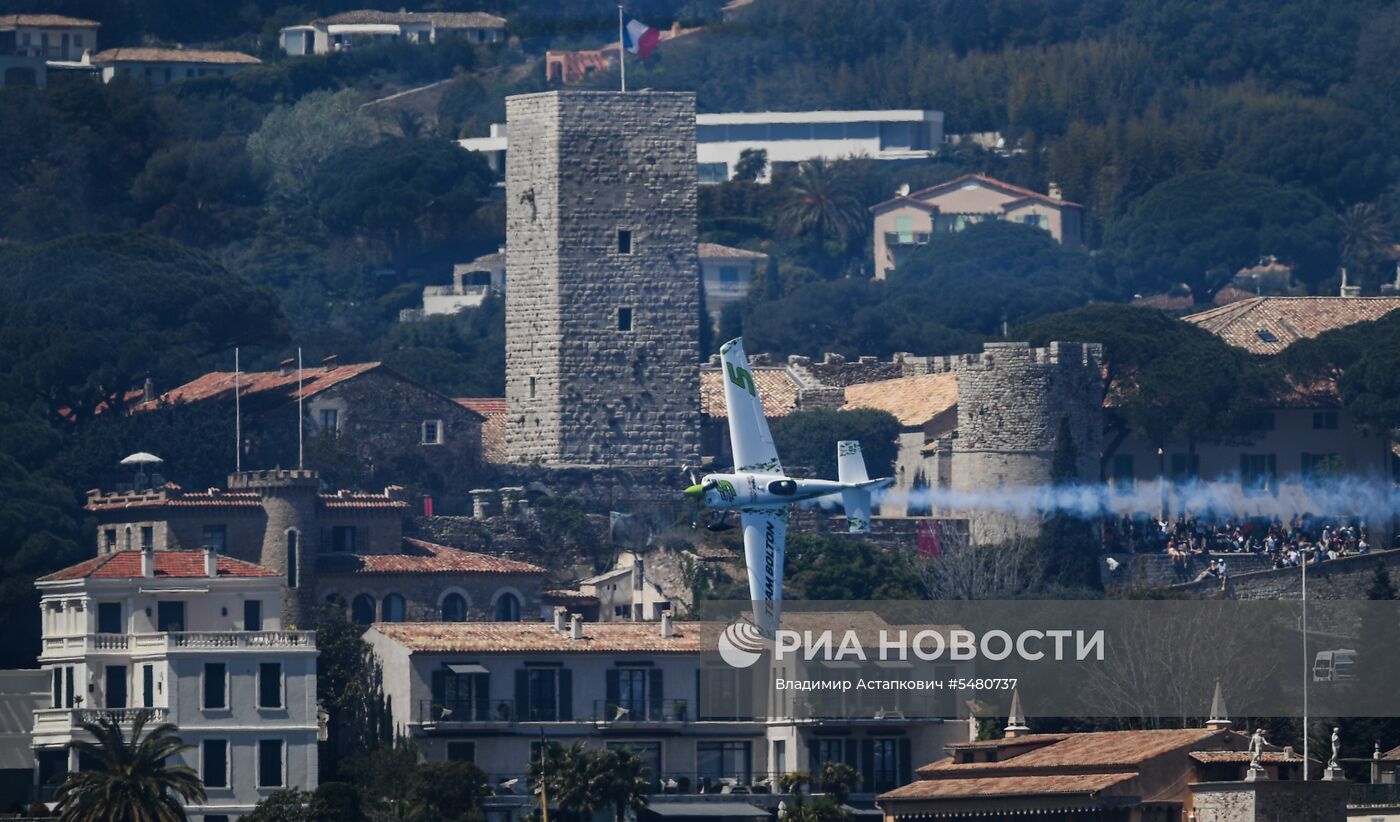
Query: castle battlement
[274, 478]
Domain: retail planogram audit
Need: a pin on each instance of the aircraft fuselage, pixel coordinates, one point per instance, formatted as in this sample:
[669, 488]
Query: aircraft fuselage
[752, 490]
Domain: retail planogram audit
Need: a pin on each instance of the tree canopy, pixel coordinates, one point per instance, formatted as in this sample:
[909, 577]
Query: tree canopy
[808, 439]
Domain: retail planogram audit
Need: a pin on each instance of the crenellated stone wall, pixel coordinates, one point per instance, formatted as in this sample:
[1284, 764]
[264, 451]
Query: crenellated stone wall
[603, 309]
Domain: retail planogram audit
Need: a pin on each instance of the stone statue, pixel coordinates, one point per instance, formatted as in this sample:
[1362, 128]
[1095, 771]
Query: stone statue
[1336, 749]
[1256, 750]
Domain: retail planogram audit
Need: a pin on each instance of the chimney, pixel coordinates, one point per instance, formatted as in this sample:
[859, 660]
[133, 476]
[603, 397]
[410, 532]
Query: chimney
[1349, 290]
[576, 626]
[148, 390]
[561, 617]
[285, 367]
[1219, 718]
[148, 562]
[638, 574]
[675, 28]
[329, 363]
[211, 563]
[668, 625]
[1055, 192]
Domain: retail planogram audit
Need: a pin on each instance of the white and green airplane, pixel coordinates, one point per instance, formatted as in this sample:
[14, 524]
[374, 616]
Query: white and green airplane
[761, 492]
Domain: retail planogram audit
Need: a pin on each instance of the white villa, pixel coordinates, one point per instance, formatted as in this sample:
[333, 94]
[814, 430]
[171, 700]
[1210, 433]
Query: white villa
[196, 638]
[341, 31]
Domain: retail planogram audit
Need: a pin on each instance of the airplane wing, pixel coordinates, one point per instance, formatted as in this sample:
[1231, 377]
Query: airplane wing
[749, 437]
[765, 541]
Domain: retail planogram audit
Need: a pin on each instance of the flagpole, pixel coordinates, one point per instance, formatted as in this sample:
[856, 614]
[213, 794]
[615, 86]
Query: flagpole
[237, 417]
[301, 449]
[621, 48]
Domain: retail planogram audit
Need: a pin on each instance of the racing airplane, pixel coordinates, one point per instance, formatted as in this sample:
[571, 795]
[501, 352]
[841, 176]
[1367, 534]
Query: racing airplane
[761, 492]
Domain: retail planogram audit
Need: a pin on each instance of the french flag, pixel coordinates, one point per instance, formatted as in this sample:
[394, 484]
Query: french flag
[639, 38]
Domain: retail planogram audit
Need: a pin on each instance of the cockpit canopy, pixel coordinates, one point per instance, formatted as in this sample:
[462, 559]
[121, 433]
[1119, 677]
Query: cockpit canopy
[783, 487]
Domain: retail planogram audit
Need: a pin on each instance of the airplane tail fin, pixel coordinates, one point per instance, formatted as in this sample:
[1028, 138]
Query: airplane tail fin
[850, 463]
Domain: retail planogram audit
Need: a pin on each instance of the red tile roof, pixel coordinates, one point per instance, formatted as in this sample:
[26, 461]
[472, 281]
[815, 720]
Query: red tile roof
[561, 597]
[924, 194]
[1243, 756]
[776, 387]
[914, 401]
[1267, 325]
[271, 386]
[158, 55]
[127, 564]
[46, 20]
[541, 637]
[419, 557]
[1101, 750]
[1018, 785]
[715, 251]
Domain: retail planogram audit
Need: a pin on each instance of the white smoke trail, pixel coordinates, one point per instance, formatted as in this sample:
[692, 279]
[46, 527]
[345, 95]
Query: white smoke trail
[1224, 498]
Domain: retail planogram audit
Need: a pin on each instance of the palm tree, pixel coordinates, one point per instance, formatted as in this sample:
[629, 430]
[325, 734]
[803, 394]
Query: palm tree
[132, 782]
[820, 204]
[581, 782]
[1365, 233]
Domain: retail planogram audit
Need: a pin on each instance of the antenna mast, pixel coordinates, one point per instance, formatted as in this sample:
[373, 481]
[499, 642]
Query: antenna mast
[237, 417]
[301, 423]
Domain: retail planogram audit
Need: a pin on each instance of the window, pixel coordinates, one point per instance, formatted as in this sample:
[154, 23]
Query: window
[393, 608]
[252, 615]
[454, 608]
[904, 227]
[77, 41]
[1319, 466]
[624, 241]
[507, 608]
[648, 752]
[1325, 420]
[1259, 472]
[170, 616]
[68, 698]
[1185, 467]
[461, 752]
[432, 432]
[532, 388]
[148, 537]
[148, 686]
[780, 756]
[1266, 335]
[1034, 220]
[362, 610]
[343, 538]
[270, 763]
[214, 764]
[713, 172]
[292, 559]
[462, 692]
[109, 618]
[884, 766]
[729, 274]
[215, 686]
[57, 687]
[624, 319]
[270, 685]
[330, 420]
[115, 676]
[109, 538]
[724, 760]
[1122, 472]
[544, 694]
[214, 537]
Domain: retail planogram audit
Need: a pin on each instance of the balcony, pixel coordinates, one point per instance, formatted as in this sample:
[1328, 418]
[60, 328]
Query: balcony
[632, 714]
[454, 713]
[1373, 795]
[906, 238]
[61, 721]
[179, 641]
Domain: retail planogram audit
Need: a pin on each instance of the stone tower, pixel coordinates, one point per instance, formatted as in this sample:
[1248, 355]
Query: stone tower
[603, 294]
[1011, 399]
[291, 539]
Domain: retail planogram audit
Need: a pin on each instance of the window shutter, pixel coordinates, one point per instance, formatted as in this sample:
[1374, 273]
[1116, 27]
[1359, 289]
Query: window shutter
[614, 694]
[439, 686]
[481, 692]
[851, 757]
[656, 695]
[566, 694]
[814, 759]
[906, 763]
[522, 694]
[867, 765]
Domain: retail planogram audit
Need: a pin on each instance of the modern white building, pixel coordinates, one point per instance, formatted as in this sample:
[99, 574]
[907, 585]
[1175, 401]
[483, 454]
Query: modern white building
[31, 45]
[197, 639]
[486, 692]
[788, 137]
[791, 137]
[159, 66]
[347, 29]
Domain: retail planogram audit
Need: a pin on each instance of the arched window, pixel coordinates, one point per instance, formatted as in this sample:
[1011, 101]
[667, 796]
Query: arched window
[507, 608]
[393, 608]
[454, 608]
[362, 610]
[291, 559]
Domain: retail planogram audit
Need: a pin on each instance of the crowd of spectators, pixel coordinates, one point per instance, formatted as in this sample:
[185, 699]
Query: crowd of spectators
[1191, 541]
